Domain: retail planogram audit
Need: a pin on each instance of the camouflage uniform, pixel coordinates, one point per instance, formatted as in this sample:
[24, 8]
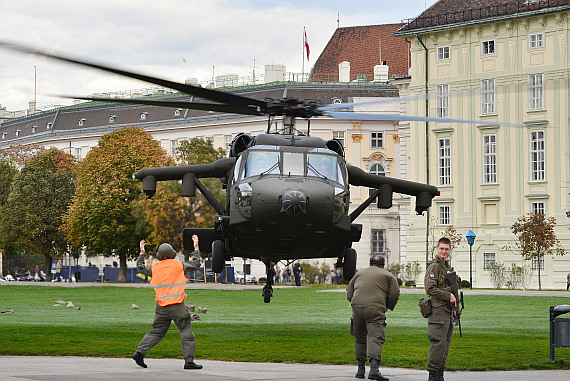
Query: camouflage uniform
[440, 322]
[371, 291]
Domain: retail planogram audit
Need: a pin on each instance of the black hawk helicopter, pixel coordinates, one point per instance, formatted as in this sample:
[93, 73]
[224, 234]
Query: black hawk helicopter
[287, 195]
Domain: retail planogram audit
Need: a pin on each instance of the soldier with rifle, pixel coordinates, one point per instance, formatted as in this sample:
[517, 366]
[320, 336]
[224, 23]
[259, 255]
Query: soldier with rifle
[441, 285]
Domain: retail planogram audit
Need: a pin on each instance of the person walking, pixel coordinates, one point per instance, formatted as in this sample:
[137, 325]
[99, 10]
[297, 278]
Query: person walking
[440, 321]
[169, 282]
[371, 292]
[297, 270]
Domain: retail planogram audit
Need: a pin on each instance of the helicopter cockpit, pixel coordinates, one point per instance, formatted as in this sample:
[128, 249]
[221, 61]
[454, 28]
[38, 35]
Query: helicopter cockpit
[305, 162]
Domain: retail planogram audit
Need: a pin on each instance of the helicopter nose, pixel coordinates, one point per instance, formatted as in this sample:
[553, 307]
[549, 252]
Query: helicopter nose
[294, 202]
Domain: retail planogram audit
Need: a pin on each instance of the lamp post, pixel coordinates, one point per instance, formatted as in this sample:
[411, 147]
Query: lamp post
[470, 240]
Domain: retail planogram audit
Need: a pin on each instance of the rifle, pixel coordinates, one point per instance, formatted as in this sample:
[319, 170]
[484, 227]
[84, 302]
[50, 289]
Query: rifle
[455, 283]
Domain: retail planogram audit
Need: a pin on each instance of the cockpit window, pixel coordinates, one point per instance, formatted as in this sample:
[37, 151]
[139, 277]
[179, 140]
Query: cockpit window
[293, 164]
[259, 163]
[324, 166]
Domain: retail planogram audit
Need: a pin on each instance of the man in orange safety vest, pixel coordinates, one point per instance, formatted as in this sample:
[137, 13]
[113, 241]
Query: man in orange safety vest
[169, 282]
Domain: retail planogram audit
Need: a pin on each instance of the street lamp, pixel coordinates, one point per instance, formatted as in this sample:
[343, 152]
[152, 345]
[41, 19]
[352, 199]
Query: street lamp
[470, 240]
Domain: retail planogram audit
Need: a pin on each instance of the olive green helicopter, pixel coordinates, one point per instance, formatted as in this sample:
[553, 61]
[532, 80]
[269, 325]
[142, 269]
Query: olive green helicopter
[287, 194]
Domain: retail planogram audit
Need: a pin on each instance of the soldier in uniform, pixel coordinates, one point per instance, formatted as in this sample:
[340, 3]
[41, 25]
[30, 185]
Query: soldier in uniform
[371, 291]
[169, 282]
[440, 322]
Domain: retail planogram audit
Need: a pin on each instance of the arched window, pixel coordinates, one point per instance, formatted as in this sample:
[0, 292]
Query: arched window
[376, 169]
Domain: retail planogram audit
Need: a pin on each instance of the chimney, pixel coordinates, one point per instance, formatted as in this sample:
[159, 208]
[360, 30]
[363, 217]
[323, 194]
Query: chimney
[344, 71]
[32, 107]
[381, 72]
[274, 73]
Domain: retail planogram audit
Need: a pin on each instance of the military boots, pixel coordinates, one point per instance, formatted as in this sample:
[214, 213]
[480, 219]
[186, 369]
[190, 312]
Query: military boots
[374, 373]
[361, 369]
[435, 375]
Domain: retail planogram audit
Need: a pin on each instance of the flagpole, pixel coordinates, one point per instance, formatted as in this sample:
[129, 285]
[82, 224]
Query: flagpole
[303, 56]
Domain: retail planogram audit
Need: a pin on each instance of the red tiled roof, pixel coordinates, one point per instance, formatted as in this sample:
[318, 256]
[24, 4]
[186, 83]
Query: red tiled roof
[446, 12]
[360, 45]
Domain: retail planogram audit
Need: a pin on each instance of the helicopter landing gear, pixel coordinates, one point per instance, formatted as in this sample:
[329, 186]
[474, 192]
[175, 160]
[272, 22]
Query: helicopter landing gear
[267, 293]
[349, 266]
[218, 260]
[347, 262]
[268, 289]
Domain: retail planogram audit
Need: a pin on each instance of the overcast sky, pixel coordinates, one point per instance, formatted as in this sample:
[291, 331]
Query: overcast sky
[172, 39]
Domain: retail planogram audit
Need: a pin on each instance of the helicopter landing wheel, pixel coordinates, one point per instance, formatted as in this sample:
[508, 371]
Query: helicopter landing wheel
[267, 293]
[218, 260]
[349, 267]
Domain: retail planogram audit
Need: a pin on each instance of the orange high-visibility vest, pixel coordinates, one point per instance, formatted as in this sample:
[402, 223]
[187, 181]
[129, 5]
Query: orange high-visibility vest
[169, 281]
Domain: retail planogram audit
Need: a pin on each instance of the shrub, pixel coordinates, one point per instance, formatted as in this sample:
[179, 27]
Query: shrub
[399, 282]
[465, 284]
[410, 283]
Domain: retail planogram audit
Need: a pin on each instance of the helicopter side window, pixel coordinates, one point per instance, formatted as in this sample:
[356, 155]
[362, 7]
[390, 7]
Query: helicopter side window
[324, 166]
[237, 168]
[293, 164]
[262, 163]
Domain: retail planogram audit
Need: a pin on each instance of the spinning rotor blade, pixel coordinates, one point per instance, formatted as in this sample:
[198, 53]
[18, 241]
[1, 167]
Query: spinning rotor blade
[213, 95]
[178, 104]
[401, 118]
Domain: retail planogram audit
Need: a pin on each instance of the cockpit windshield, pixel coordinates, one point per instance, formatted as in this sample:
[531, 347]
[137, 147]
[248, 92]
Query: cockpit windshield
[324, 166]
[313, 164]
[262, 162]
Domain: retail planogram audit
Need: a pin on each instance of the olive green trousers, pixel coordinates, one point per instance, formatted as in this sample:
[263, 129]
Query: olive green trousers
[368, 326]
[162, 318]
[440, 330]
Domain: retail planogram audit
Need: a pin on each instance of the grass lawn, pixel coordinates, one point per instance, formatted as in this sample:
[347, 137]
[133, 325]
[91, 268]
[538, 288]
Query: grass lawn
[299, 325]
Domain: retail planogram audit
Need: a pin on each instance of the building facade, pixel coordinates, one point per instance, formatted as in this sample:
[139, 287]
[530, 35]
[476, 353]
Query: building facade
[506, 64]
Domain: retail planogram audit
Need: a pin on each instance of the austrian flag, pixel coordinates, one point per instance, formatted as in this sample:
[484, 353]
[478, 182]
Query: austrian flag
[307, 45]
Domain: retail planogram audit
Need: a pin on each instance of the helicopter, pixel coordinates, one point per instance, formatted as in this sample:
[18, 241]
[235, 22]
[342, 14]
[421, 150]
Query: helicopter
[287, 194]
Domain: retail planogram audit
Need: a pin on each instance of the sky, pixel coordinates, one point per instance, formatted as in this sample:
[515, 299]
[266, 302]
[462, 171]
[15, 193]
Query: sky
[171, 39]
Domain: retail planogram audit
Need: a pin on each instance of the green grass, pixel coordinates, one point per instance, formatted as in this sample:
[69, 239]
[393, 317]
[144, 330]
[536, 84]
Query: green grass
[299, 325]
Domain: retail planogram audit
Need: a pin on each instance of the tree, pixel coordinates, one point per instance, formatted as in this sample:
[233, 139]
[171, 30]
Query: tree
[497, 274]
[7, 174]
[20, 154]
[536, 237]
[103, 216]
[167, 213]
[33, 214]
[450, 232]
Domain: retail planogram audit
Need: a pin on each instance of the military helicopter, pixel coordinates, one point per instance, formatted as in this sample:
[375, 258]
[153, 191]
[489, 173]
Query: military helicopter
[287, 194]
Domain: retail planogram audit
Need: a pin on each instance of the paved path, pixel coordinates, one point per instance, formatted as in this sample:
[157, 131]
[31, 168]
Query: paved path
[14, 368]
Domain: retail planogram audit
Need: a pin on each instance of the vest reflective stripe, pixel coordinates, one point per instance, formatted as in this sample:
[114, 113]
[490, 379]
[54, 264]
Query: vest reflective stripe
[171, 285]
[169, 282]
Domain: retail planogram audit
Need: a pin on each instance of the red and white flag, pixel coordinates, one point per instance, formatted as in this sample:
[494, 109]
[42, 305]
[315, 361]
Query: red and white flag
[307, 45]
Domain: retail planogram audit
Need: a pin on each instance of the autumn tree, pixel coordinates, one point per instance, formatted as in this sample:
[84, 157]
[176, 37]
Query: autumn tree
[7, 174]
[536, 237]
[167, 213]
[103, 217]
[20, 154]
[33, 214]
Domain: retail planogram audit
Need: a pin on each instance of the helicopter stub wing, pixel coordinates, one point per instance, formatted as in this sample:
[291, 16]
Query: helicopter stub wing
[424, 193]
[189, 175]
